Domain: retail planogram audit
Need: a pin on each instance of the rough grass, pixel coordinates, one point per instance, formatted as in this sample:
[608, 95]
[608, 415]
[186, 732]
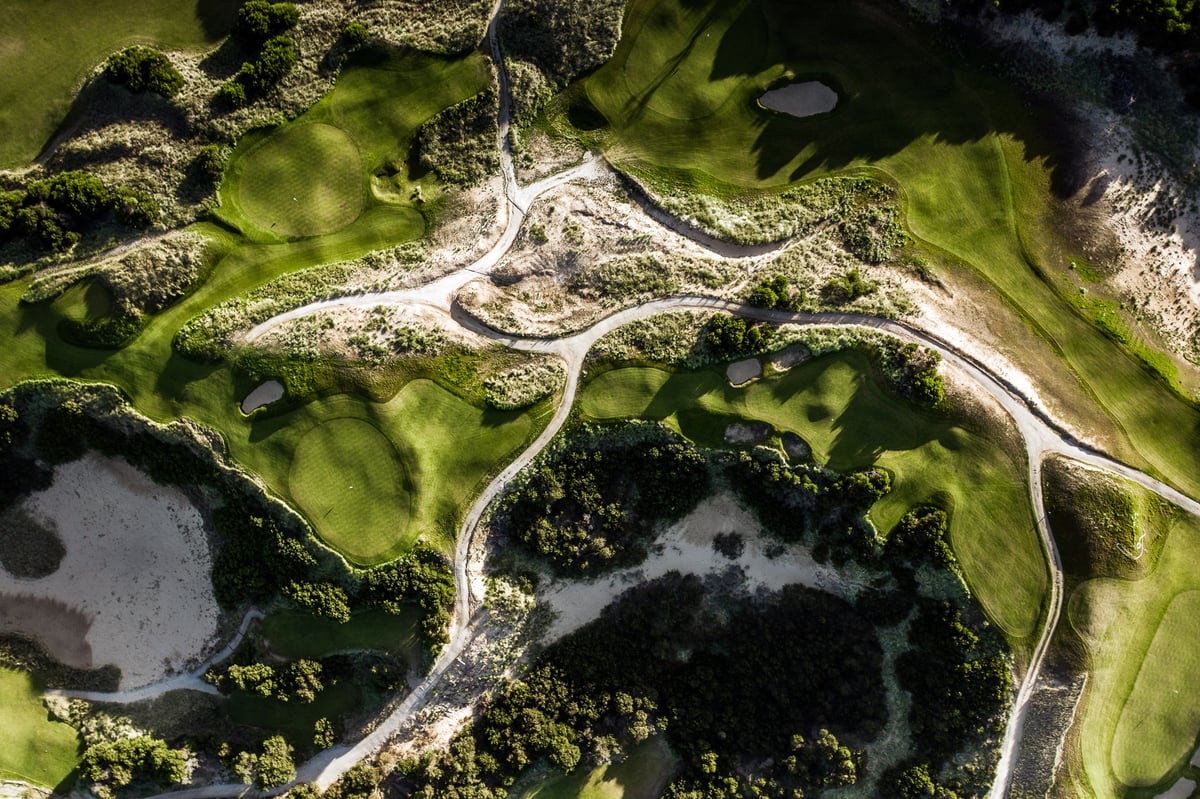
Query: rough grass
[294, 634]
[46, 53]
[1139, 717]
[349, 481]
[851, 422]
[977, 175]
[32, 748]
[304, 180]
[641, 775]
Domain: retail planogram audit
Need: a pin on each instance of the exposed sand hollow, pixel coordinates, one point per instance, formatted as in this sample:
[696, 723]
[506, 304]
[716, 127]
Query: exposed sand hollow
[133, 589]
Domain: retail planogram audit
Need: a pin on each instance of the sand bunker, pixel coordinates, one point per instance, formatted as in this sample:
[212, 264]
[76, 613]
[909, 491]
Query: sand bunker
[135, 580]
[263, 394]
[687, 546]
[801, 99]
[740, 372]
[790, 356]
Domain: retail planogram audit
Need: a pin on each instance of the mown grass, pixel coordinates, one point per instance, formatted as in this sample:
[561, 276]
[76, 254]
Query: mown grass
[294, 634]
[46, 52]
[348, 479]
[641, 775]
[852, 422]
[32, 747]
[1140, 716]
[979, 179]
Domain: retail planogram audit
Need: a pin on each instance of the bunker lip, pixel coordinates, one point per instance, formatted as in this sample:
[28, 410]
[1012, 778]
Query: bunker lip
[263, 395]
[800, 99]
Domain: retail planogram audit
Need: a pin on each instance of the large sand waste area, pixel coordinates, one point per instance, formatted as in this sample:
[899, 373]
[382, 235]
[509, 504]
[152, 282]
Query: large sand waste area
[133, 589]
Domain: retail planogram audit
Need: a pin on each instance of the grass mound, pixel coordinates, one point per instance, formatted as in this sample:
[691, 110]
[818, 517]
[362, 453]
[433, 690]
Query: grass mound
[32, 747]
[303, 180]
[348, 479]
[852, 422]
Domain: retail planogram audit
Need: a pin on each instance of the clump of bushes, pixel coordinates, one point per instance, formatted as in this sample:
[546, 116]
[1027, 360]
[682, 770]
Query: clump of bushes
[459, 144]
[523, 385]
[729, 336]
[596, 503]
[848, 287]
[144, 69]
[775, 293]
[421, 577]
[564, 39]
[260, 26]
[115, 764]
[52, 213]
[298, 681]
[270, 767]
[259, 20]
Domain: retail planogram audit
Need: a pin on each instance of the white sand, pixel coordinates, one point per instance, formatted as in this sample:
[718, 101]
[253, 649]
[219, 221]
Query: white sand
[263, 394]
[1180, 790]
[788, 357]
[687, 547]
[137, 567]
[740, 372]
[801, 99]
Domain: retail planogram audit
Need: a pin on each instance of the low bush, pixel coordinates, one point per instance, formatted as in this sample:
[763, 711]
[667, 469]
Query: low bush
[775, 293]
[730, 336]
[848, 288]
[460, 144]
[259, 20]
[564, 39]
[108, 766]
[52, 213]
[320, 599]
[144, 69]
[525, 384]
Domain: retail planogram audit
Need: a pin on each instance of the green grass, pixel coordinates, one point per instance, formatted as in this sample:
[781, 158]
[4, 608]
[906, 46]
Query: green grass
[1140, 716]
[1161, 719]
[294, 634]
[975, 170]
[348, 479]
[278, 193]
[294, 720]
[641, 775]
[32, 748]
[852, 422]
[45, 53]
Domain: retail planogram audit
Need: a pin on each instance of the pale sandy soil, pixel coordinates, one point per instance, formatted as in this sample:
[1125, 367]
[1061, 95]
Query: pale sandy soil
[687, 547]
[804, 99]
[264, 393]
[740, 372]
[136, 572]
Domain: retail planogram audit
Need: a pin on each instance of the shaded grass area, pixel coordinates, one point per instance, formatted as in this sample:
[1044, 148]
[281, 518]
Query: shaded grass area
[348, 479]
[45, 52]
[641, 775]
[294, 720]
[294, 634]
[1140, 716]
[32, 747]
[852, 422]
[677, 105]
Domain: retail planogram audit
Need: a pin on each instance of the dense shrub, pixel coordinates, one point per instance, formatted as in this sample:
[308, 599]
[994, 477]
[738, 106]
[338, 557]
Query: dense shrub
[277, 58]
[210, 162]
[775, 293]
[259, 20]
[596, 503]
[320, 598]
[52, 212]
[422, 577]
[144, 69]
[848, 287]
[114, 765]
[563, 38]
[459, 144]
[921, 536]
[730, 336]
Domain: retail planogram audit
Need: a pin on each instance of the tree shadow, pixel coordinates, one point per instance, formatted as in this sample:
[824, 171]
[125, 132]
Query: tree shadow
[216, 17]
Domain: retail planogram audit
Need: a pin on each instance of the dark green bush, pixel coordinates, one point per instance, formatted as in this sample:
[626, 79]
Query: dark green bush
[259, 20]
[144, 69]
[232, 93]
[460, 143]
[320, 599]
[116, 764]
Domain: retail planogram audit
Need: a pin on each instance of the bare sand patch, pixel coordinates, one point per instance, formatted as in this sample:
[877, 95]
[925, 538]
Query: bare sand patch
[687, 546]
[136, 571]
[741, 372]
[804, 99]
[789, 357]
[263, 394]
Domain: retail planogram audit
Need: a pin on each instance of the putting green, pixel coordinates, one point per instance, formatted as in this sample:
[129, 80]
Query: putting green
[32, 747]
[348, 479]
[1161, 719]
[641, 775]
[302, 180]
[852, 423]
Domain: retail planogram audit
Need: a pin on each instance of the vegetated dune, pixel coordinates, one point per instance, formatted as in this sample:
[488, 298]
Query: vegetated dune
[135, 579]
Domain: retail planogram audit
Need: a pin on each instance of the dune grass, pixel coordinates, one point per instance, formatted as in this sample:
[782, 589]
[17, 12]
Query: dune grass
[47, 51]
[852, 422]
[348, 479]
[978, 176]
[303, 181]
[1140, 716]
[641, 775]
[32, 748]
[295, 634]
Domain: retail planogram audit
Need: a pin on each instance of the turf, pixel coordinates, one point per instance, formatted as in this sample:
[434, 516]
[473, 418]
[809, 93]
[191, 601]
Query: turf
[978, 176]
[46, 52]
[348, 479]
[294, 634]
[641, 775]
[277, 190]
[294, 720]
[1139, 719]
[32, 748]
[851, 422]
